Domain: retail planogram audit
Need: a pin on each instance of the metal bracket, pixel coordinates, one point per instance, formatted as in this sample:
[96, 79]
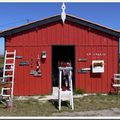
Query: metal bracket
[24, 63]
[19, 57]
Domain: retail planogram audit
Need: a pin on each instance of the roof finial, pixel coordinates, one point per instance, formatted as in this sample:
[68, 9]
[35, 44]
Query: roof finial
[63, 14]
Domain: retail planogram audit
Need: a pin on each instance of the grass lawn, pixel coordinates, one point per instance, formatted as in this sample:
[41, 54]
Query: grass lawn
[1, 62]
[34, 107]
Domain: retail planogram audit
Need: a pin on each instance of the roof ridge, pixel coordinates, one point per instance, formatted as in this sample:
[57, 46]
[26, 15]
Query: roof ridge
[55, 18]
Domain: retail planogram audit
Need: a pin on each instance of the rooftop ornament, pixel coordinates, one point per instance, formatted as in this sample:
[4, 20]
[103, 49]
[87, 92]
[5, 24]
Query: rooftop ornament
[63, 14]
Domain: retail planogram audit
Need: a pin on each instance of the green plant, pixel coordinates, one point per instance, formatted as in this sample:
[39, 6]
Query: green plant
[80, 91]
[98, 94]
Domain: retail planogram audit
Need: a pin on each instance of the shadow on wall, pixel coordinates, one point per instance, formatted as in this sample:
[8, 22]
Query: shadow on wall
[95, 75]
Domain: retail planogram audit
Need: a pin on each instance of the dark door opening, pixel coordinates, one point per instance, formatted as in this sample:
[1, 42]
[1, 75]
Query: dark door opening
[62, 53]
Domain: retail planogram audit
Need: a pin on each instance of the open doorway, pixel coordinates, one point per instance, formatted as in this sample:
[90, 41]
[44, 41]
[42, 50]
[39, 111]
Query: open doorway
[62, 53]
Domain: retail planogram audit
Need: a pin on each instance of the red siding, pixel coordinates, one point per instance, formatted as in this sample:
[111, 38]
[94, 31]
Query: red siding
[32, 42]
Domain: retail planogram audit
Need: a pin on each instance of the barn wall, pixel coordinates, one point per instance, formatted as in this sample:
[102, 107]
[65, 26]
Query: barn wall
[88, 43]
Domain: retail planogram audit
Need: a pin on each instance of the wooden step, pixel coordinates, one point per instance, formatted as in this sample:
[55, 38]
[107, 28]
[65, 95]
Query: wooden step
[9, 58]
[116, 85]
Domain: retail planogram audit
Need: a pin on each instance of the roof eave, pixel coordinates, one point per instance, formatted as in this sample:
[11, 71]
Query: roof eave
[30, 25]
[58, 18]
[94, 26]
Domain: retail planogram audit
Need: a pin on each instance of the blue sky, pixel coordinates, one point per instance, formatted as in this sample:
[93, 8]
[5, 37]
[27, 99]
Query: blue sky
[14, 14]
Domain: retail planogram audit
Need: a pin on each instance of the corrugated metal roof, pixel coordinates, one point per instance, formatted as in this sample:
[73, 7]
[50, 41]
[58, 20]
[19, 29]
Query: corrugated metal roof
[58, 18]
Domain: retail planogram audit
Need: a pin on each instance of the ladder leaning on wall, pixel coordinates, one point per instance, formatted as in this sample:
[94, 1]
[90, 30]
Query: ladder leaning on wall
[7, 83]
[117, 78]
[66, 93]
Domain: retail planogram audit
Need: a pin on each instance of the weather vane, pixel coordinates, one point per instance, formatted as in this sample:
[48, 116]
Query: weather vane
[63, 14]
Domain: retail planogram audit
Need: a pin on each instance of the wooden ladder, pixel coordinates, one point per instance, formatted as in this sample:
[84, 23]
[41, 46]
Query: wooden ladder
[116, 77]
[7, 82]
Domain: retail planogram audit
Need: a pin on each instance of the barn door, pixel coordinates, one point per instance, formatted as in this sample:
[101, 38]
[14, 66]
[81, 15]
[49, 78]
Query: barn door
[65, 54]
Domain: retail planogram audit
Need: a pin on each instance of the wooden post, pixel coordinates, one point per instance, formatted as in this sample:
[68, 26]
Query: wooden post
[60, 82]
[67, 91]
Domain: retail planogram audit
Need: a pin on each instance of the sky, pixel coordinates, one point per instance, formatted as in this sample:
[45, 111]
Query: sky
[15, 14]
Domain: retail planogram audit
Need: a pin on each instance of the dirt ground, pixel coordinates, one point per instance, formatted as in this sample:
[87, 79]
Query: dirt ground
[105, 113]
[84, 106]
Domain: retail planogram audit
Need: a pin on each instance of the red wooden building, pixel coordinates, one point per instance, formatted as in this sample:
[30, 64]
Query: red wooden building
[91, 48]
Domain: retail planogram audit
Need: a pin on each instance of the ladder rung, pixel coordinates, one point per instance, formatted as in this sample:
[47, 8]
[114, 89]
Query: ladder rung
[10, 58]
[6, 88]
[116, 78]
[7, 95]
[9, 64]
[8, 69]
[116, 74]
[8, 53]
[8, 76]
[116, 85]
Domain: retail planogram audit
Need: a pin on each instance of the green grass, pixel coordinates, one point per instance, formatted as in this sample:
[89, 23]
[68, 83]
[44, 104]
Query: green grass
[34, 107]
[1, 62]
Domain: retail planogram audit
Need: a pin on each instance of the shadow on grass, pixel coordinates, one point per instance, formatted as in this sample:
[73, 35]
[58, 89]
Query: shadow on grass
[2, 105]
[55, 103]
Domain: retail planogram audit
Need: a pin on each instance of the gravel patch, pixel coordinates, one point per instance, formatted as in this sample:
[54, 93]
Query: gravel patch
[107, 112]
